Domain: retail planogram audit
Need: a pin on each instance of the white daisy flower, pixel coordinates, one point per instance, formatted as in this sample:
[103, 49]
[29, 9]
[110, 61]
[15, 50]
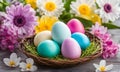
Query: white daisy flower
[82, 7]
[51, 7]
[13, 61]
[28, 66]
[109, 10]
[102, 66]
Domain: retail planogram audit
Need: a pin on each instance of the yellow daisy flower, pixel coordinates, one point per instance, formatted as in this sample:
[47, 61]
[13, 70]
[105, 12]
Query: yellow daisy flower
[95, 18]
[45, 23]
[32, 3]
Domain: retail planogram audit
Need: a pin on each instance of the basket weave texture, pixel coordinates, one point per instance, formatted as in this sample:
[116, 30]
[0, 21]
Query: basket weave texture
[61, 63]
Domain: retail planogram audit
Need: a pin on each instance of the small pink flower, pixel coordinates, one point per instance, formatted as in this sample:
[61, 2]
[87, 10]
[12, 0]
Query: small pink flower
[110, 49]
[2, 18]
[97, 30]
[8, 39]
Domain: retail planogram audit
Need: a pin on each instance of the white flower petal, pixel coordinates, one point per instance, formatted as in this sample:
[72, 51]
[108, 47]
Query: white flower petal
[23, 69]
[102, 63]
[109, 67]
[30, 60]
[13, 56]
[34, 68]
[90, 2]
[17, 61]
[22, 65]
[6, 61]
[96, 66]
[97, 70]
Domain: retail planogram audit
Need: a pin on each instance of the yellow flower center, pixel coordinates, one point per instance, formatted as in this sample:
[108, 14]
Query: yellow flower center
[84, 9]
[28, 66]
[50, 6]
[32, 3]
[95, 18]
[102, 68]
[12, 63]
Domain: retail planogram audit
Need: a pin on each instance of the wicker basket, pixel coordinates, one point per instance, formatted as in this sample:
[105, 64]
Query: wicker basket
[61, 63]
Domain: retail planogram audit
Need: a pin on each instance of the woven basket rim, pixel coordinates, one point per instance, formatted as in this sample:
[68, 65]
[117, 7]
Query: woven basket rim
[60, 63]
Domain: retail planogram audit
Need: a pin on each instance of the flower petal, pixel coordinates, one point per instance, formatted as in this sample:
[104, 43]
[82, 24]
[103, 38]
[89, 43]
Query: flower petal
[22, 65]
[17, 61]
[13, 56]
[34, 68]
[109, 67]
[97, 70]
[30, 60]
[96, 65]
[23, 69]
[102, 63]
[6, 61]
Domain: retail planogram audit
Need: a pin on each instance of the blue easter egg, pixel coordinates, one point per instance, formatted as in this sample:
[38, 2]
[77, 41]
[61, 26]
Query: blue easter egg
[82, 39]
[60, 32]
[48, 48]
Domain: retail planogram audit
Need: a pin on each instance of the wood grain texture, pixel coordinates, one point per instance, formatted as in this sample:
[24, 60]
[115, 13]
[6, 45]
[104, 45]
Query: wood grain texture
[87, 67]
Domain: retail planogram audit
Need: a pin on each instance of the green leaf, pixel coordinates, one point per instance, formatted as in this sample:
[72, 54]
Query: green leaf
[67, 4]
[65, 17]
[97, 5]
[3, 5]
[86, 23]
[111, 26]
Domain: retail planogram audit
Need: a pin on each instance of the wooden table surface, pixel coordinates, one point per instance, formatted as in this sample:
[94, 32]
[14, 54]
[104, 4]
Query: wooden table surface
[87, 67]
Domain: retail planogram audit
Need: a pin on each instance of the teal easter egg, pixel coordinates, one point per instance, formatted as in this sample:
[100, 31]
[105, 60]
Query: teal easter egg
[48, 48]
[60, 32]
[82, 39]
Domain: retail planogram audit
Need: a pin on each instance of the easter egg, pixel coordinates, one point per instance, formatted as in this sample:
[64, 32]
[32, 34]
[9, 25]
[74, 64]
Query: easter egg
[70, 49]
[82, 39]
[60, 32]
[44, 35]
[75, 26]
[48, 48]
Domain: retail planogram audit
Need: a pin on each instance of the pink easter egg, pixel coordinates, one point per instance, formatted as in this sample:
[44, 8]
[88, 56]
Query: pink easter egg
[75, 26]
[70, 49]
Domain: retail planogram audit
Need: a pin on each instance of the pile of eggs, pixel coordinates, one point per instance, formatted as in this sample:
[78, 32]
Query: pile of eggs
[66, 39]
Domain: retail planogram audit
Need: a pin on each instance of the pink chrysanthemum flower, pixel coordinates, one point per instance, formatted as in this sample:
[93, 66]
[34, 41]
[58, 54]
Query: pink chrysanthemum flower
[8, 39]
[110, 49]
[97, 30]
[2, 18]
[22, 19]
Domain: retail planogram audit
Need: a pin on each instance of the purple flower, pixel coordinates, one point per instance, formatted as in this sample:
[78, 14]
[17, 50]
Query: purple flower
[8, 39]
[22, 19]
[15, 2]
[110, 49]
[2, 18]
